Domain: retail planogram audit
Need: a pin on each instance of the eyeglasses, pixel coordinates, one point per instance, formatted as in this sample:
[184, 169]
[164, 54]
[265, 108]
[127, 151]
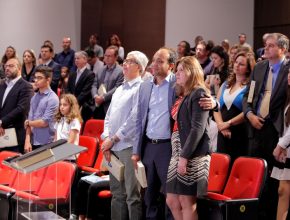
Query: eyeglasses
[39, 78]
[9, 65]
[128, 61]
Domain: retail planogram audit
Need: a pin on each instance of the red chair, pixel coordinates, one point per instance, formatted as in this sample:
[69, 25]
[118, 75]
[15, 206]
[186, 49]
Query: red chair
[94, 128]
[26, 181]
[87, 158]
[29, 182]
[218, 172]
[97, 167]
[53, 192]
[7, 174]
[240, 198]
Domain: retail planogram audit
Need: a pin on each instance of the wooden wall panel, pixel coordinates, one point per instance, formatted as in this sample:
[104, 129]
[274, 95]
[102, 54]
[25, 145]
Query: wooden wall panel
[271, 16]
[140, 24]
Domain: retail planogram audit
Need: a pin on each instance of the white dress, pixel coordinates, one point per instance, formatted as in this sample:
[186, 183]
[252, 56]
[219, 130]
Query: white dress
[283, 172]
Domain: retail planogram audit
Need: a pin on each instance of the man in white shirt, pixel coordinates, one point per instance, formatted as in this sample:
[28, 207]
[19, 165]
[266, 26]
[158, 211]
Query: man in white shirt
[120, 137]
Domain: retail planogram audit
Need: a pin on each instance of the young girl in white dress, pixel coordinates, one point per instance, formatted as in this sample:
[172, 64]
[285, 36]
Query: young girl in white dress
[68, 120]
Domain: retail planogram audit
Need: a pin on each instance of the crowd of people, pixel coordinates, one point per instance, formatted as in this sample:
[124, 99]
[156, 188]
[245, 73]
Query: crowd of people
[170, 115]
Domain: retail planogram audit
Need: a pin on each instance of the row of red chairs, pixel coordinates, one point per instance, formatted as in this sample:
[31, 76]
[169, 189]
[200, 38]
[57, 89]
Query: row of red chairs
[45, 187]
[234, 196]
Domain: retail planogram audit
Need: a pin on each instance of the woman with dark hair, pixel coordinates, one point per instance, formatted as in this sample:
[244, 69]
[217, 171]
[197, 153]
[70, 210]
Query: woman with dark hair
[232, 136]
[183, 49]
[115, 40]
[281, 171]
[10, 52]
[29, 64]
[220, 60]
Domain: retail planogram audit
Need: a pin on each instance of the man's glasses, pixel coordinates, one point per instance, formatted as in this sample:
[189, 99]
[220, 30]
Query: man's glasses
[128, 61]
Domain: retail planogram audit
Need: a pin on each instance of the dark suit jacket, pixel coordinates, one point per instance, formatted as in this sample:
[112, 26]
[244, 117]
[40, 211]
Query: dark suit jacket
[115, 79]
[278, 95]
[55, 76]
[193, 123]
[16, 106]
[143, 108]
[82, 90]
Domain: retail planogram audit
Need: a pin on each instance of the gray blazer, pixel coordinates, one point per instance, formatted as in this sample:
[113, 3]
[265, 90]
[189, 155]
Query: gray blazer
[115, 79]
[143, 108]
[278, 96]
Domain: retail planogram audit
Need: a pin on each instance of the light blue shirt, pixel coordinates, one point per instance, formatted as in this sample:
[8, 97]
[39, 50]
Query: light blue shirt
[43, 106]
[158, 126]
[275, 71]
[120, 119]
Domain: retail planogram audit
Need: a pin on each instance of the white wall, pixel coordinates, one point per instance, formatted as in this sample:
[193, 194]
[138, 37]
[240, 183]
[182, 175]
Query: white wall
[25, 24]
[213, 19]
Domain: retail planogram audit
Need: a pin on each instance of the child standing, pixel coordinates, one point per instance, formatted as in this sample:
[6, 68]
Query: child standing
[68, 120]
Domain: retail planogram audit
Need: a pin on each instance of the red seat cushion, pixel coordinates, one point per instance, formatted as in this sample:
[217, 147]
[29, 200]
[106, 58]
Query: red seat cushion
[105, 194]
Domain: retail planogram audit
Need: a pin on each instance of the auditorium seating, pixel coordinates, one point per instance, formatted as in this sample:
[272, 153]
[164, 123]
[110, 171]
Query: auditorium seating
[218, 172]
[53, 194]
[87, 158]
[240, 197]
[94, 128]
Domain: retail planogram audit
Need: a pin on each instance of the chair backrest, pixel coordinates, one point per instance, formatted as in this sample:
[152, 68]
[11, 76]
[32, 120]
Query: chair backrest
[246, 179]
[29, 181]
[94, 128]
[218, 172]
[57, 181]
[7, 174]
[87, 158]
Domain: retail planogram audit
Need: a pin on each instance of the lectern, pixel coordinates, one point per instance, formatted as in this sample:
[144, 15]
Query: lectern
[44, 198]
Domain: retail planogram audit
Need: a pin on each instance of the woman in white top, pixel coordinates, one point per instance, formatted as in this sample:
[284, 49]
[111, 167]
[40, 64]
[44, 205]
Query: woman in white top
[68, 120]
[281, 170]
[232, 135]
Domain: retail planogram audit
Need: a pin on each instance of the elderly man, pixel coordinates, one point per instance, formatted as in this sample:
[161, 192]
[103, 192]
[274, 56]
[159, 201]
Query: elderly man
[111, 77]
[80, 84]
[119, 137]
[15, 95]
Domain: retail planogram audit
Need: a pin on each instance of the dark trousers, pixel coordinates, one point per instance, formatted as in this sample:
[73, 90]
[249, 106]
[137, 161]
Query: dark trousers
[88, 202]
[156, 161]
[262, 145]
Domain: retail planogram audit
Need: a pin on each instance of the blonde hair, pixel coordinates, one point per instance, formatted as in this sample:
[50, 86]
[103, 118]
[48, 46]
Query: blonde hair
[74, 109]
[195, 74]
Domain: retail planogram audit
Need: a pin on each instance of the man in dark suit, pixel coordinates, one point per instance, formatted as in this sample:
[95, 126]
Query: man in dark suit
[47, 60]
[111, 77]
[265, 129]
[80, 84]
[15, 95]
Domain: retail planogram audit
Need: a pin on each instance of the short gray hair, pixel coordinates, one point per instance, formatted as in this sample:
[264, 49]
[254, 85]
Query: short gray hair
[81, 53]
[282, 40]
[140, 58]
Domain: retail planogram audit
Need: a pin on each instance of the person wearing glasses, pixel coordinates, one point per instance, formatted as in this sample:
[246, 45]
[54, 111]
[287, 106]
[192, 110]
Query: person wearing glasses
[43, 106]
[111, 77]
[120, 137]
[15, 95]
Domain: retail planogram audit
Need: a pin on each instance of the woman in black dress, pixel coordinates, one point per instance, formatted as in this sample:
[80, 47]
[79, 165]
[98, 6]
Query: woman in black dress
[232, 135]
